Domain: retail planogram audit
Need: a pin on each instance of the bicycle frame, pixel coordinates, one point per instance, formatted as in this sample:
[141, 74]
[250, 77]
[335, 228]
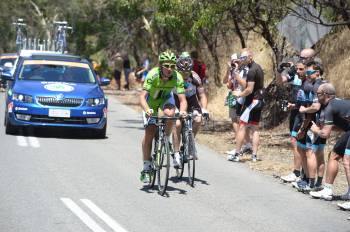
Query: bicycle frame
[19, 34]
[61, 36]
[161, 155]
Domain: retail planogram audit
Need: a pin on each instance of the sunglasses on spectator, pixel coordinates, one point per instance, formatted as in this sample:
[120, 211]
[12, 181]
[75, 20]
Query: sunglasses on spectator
[310, 72]
[320, 93]
[243, 57]
[169, 66]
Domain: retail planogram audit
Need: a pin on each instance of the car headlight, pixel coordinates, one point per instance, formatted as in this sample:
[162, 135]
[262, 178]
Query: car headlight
[95, 101]
[22, 98]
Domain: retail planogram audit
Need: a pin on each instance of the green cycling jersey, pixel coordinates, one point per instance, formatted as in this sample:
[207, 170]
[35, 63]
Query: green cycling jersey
[159, 91]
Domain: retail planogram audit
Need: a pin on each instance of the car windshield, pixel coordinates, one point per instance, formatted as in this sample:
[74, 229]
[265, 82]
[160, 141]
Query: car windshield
[56, 71]
[3, 61]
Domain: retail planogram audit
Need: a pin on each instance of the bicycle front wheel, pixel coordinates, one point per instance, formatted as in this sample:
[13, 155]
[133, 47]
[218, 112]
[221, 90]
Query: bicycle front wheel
[180, 171]
[163, 166]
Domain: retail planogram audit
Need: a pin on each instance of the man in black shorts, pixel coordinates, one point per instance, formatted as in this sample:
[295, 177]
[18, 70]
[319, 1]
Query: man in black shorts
[294, 76]
[310, 146]
[253, 104]
[336, 114]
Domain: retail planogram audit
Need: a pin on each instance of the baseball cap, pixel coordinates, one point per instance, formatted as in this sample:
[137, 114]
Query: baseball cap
[234, 56]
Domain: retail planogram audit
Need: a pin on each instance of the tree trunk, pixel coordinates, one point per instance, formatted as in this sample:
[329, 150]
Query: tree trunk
[40, 14]
[213, 53]
[154, 39]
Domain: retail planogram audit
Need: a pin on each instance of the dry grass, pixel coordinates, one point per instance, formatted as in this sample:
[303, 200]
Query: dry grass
[335, 55]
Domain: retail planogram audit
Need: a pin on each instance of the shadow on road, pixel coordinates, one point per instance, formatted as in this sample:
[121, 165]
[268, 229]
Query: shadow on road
[169, 189]
[61, 133]
[175, 179]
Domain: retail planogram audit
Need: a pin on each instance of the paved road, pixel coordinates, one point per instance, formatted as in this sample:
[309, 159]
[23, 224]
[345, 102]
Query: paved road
[56, 180]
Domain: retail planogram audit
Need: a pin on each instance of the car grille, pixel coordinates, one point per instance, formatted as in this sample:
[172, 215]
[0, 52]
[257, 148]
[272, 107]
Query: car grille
[47, 119]
[67, 102]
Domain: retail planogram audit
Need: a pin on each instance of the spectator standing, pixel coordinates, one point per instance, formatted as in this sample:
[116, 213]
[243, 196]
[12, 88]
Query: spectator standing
[336, 113]
[294, 74]
[118, 67]
[310, 147]
[142, 73]
[200, 68]
[235, 79]
[127, 70]
[253, 104]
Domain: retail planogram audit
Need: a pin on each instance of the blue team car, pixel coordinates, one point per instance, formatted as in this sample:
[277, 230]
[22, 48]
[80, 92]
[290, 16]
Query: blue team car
[48, 89]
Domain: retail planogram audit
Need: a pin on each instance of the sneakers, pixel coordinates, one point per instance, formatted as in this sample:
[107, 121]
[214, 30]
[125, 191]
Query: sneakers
[344, 205]
[254, 158]
[247, 149]
[145, 176]
[317, 188]
[234, 157]
[345, 197]
[232, 152]
[306, 189]
[299, 184]
[291, 177]
[177, 160]
[244, 149]
[326, 194]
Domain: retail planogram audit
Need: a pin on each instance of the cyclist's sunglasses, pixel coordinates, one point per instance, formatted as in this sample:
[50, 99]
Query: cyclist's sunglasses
[169, 66]
[310, 72]
[243, 57]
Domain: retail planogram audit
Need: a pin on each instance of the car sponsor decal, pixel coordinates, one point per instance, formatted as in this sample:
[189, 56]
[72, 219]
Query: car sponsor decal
[89, 113]
[54, 62]
[59, 87]
[21, 108]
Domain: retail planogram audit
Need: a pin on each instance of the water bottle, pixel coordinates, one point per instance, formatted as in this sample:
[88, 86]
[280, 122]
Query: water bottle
[231, 100]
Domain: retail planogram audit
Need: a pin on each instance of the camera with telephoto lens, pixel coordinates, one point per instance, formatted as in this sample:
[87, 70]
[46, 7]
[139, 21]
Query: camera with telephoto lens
[282, 66]
[234, 65]
[284, 105]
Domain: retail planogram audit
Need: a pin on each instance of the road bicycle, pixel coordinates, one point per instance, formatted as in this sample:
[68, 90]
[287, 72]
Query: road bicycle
[61, 36]
[20, 37]
[188, 151]
[162, 150]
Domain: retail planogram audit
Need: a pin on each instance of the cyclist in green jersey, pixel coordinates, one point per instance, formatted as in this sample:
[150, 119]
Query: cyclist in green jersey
[157, 94]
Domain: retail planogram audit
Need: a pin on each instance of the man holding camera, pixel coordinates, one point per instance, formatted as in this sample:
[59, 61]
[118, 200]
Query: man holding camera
[235, 80]
[294, 74]
[253, 104]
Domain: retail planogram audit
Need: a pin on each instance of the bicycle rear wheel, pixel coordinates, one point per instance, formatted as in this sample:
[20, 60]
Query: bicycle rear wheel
[191, 161]
[163, 166]
[152, 176]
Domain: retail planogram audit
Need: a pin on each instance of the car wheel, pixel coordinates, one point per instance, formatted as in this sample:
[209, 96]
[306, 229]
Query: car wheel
[101, 133]
[9, 128]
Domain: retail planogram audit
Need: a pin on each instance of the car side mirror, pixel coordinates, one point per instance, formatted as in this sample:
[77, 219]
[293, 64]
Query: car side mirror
[104, 81]
[7, 75]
